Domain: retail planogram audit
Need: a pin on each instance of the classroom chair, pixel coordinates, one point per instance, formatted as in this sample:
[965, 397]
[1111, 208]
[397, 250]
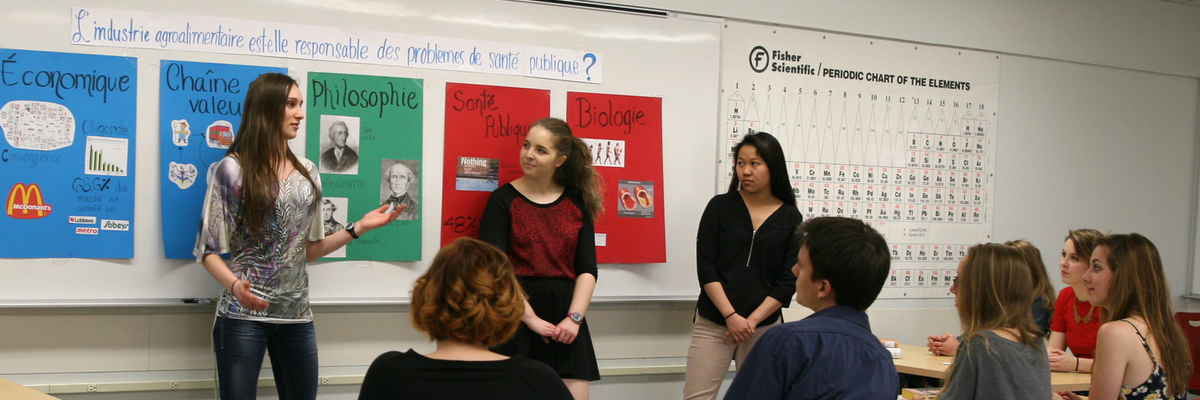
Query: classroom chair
[1190, 322]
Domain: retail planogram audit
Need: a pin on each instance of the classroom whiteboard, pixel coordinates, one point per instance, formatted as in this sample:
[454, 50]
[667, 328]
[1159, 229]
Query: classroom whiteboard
[675, 58]
[902, 137]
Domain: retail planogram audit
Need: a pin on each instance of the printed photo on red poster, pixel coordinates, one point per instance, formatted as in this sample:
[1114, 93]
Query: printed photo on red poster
[485, 127]
[624, 134]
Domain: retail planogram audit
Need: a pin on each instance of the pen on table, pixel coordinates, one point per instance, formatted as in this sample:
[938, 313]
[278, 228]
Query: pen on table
[199, 301]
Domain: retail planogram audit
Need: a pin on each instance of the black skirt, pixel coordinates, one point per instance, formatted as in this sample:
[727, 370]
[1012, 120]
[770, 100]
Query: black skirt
[551, 300]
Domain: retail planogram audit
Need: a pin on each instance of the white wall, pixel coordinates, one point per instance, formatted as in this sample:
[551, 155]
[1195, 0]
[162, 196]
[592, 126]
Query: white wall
[1145, 35]
[1082, 144]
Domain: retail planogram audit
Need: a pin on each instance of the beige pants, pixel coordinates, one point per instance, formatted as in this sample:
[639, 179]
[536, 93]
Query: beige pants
[709, 356]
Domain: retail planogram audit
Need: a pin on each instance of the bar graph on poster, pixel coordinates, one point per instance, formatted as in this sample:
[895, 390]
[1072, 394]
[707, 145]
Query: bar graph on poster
[898, 135]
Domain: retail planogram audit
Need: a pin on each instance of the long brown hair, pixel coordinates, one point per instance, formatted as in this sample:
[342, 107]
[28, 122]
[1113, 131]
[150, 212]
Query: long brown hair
[259, 147]
[576, 172]
[994, 292]
[1139, 288]
[1037, 270]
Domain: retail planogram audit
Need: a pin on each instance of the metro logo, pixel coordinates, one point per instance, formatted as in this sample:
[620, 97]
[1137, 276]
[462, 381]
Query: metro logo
[26, 202]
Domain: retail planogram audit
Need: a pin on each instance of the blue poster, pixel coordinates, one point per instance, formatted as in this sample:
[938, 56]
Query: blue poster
[66, 163]
[201, 109]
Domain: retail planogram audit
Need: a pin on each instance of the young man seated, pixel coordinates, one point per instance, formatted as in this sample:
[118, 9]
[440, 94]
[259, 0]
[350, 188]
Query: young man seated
[832, 354]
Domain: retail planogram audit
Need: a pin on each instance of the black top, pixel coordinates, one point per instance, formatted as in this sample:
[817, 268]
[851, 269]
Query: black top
[1040, 315]
[750, 264]
[555, 240]
[396, 375]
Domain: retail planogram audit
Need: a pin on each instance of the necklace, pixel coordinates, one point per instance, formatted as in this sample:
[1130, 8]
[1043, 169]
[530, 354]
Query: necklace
[1087, 318]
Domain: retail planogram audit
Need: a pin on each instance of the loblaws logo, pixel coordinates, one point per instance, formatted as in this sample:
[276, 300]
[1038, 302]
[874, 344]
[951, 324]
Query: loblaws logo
[114, 225]
[26, 202]
[81, 220]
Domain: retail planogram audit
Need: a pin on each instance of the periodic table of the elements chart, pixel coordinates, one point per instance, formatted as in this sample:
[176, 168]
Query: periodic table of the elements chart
[898, 135]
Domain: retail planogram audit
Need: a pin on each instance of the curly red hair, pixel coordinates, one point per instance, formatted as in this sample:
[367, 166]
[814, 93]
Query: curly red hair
[469, 294]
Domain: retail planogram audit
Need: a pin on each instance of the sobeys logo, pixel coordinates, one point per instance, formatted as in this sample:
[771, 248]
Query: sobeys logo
[26, 202]
[114, 225]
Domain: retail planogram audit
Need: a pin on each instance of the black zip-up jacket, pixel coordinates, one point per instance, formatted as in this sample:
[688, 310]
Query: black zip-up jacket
[750, 264]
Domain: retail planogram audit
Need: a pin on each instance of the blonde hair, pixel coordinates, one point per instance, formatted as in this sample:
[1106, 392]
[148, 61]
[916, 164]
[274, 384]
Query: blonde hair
[469, 294]
[1037, 270]
[995, 292]
[1139, 288]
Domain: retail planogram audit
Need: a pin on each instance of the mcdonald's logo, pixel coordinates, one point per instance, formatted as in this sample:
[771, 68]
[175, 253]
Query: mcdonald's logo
[26, 202]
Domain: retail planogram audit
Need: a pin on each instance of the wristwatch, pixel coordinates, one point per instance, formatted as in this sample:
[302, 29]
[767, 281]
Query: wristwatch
[350, 228]
[576, 317]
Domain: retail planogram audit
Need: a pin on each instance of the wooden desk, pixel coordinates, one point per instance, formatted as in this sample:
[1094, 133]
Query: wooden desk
[10, 390]
[917, 360]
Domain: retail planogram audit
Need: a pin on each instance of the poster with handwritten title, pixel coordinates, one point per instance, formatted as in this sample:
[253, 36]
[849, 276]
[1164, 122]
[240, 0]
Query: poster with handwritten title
[66, 162]
[364, 134]
[200, 111]
[485, 128]
[624, 134]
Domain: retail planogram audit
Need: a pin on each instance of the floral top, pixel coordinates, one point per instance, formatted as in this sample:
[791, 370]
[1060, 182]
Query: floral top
[274, 265]
[1155, 387]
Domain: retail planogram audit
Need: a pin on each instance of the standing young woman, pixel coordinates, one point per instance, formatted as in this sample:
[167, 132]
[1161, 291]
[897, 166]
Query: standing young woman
[1075, 320]
[1002, 355]
[1140, 353]
[745, 248]
[543, 221]
[263, 209]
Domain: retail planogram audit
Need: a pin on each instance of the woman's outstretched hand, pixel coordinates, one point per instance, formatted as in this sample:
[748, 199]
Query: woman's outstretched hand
[378, 217]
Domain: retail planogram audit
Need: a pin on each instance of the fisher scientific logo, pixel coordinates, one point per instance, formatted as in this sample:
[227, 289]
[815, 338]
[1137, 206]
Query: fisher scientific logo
[26, 202]
[779, 61]
[759, 59]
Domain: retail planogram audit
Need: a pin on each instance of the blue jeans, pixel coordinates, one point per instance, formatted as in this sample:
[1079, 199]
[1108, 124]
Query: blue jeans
[239, 346]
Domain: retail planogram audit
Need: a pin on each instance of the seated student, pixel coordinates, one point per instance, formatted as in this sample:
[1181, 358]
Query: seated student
[1043, 301]
[1075, 320]
[831, 354]
[1043, 291]
[1140, 352]
[469, 299]
[1002, 355]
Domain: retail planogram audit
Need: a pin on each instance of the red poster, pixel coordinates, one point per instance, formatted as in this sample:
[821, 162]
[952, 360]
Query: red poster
[485, 126]
[625, 136]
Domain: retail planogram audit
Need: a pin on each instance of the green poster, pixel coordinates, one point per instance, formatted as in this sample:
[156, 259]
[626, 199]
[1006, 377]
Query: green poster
[364, 134]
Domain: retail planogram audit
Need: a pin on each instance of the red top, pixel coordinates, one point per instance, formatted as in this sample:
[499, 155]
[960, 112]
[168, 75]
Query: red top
[555, 240]
[1081, 335]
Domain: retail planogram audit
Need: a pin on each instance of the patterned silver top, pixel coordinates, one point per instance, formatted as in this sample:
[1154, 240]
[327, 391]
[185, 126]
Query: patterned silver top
[275, 265]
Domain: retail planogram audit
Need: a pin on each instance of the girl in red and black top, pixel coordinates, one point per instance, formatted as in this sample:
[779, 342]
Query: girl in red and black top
[1076, 321]
[543, 221]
